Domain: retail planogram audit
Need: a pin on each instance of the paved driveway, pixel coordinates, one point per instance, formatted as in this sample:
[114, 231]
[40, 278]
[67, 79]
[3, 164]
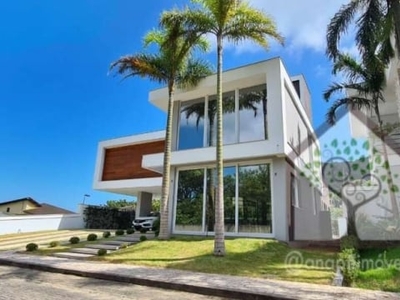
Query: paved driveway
[45, 286]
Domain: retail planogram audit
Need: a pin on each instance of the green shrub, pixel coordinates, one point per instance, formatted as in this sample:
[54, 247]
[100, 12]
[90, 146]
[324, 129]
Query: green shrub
[92, 237]
[119, 232]
[349, 242]
[156, 233]
[130, 231]
[54, 244]
[123, 246]
[349, 265]
[143, 230]
[32, 247]
[143, 238]
[106, 234]
[101, 252]
[74, 240]
[156, 225]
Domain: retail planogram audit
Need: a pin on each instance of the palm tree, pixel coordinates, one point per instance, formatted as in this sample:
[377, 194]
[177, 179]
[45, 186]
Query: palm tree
[376, 20]
[368, 81]
[174, 66]
[235, 21]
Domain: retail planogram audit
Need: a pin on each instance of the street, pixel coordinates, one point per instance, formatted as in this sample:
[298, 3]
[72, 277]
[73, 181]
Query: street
[25, 284]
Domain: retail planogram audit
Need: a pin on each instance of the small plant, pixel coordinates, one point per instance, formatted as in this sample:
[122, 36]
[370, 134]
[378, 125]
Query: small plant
[106, 234]
[119, 232]
[349, 265]
[101, 252]
[143, 230]
[74, 240]
[349, 242]
[143, 238]
[92, 237]
[32, 247]
[156, 225]
[54, 244]
[123, 246]
[130, 231]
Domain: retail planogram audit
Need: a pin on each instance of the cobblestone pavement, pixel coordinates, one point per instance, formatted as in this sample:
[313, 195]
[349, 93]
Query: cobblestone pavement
[23, 284]
[209, 284]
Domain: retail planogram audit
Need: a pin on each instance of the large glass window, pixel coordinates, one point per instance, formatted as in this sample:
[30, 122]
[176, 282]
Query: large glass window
[229, 198]
[189, 207]
[253, 125]
[228, 109]
[255, 213]
[191, 125]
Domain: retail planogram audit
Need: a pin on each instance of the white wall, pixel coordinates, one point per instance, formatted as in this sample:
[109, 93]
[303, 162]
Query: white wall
[40, 222]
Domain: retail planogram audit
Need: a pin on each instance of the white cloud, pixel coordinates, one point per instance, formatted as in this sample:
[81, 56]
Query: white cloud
[302, 23]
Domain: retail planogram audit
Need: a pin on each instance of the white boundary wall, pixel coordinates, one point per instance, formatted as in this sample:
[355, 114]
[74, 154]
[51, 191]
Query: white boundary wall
[19, 224]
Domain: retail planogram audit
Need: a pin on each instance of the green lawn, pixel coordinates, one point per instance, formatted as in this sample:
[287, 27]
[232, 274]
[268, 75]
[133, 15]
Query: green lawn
[380, 270]
[245, 257]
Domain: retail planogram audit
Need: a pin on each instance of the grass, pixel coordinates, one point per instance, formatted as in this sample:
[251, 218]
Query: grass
[43, 250]
[380, 270]
[245, 257]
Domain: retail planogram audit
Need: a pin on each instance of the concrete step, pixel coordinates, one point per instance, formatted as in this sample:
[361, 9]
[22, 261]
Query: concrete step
[73, 255]
[118, 243]
[91, 251]
[127, 239]
[102, 246]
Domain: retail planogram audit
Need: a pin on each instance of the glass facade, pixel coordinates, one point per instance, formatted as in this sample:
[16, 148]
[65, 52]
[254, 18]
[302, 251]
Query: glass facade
[247, 199]
[228, 119]
[191, 125]
[189, 204]
[255, 209]
[244, 119]
[253, 125]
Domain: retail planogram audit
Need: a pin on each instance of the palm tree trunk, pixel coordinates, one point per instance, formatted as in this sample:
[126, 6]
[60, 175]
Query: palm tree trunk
[393, 201]
[164, 215]
[219, 241]
[394, 5]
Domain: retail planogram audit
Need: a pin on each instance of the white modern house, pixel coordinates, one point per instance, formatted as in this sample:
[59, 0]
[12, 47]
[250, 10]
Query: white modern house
[268, 138]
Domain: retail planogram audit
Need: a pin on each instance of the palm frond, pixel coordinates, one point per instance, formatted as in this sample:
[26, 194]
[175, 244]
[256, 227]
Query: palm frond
[353, 102]
[143, 65]
[251, 23]
[195, 70]
[339, 25]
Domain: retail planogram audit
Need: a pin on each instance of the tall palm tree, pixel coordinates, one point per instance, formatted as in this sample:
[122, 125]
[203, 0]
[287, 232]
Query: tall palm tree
[235, 21]
[367, 81]
[174, 66]
[375, 20]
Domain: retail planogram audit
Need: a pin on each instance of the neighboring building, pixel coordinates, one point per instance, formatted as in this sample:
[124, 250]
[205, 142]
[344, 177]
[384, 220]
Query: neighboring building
[28, 206]
[268, 138]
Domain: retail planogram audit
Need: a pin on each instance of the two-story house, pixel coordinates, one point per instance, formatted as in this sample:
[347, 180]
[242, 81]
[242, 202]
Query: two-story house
[268, 137]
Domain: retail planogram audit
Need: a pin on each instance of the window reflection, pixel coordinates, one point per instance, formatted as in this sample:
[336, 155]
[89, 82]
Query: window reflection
[189, 208]
[191, 125]
[253, 124]
[229, 198]
[255, 214]
[228, 119]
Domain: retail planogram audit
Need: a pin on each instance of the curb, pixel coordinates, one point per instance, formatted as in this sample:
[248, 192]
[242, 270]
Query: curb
[208, 291]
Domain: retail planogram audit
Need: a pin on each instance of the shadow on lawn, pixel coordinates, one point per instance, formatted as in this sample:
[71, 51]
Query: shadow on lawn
[245, 257]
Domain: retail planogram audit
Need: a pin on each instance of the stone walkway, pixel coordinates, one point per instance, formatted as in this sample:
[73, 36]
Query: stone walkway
[233, 287]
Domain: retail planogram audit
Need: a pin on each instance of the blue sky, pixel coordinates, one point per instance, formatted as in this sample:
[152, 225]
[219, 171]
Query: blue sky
[57, 101]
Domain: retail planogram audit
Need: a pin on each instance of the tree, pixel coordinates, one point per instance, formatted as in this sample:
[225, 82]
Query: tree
[235, 21]
[120, 203]
[174, 66]
[376, 21]
[365, 85]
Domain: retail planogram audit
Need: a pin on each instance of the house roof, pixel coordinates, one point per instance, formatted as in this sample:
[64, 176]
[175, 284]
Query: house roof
[21, 200]
[48, 209]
